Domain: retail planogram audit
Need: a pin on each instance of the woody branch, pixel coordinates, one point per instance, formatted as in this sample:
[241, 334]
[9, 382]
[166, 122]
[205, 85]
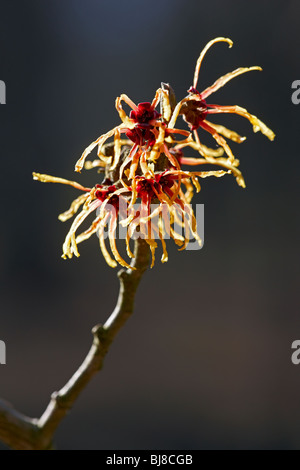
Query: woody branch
[20, 432]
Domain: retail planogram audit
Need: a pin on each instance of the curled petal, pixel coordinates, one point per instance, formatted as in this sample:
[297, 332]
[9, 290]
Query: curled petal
[73, 208]
[123, 116]
[221, 162]
[168, 219]
[94, 227]
[170, 140]
[156, 98]
[232, 135]
[159, 142]
[201, 148]
[165, 104]
[176, 112]
[69, 246]
[160, 230]
[196, 183]
[217, 173]
[218, 152]
[117, 149]
[112, 241]
[146, 169]
[134, 165]
[201, 57]
[54, 179]
[128, 159]
[173, 160]
[129, 252]
[153, 245]
[111, 262]
[219, 139]
[98, 142]
[257, 124]
[186, 229]
[89, 165]
[188, 195]
[144, 214]
[165, 256]
[225, 79]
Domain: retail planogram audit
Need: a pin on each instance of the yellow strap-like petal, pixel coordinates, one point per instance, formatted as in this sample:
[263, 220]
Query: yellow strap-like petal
[113, 246]
[201, 148]
[55, 179]
[123, 116]
[257, 124]
[73, 208]
[129, 252]
[98, 142]
[89, 165]
[232, 135]
[117, 150]
[164, 257]
[166, 109]
[204, 51]
[221, 162]
[69, 246]
[111, 262]
[225, 79]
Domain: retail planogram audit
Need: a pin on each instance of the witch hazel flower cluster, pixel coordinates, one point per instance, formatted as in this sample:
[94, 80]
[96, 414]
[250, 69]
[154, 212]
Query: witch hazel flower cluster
[148, 186]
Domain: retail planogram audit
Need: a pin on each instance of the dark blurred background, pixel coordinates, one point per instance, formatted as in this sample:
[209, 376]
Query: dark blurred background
[205, 362]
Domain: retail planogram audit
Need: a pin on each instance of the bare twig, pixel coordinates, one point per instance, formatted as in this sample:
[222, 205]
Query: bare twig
[16, 430]
[22, 433]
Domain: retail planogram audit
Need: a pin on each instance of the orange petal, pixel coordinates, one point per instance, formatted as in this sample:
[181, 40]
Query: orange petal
[100, 141]
[73, 208]
[201, 57]
[257, 124]
[225, 79]
[232, 135]
[219, 139]
[54, 179]
[112, 263]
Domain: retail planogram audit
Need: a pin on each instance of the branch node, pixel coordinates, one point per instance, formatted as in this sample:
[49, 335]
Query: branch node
[123, 275]
[55, 396]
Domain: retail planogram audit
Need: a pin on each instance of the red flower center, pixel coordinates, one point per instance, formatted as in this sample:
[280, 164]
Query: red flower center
[102, 192]
[144, 117]
[152, 186]
[144, 114]
[194, 110]
[145, 187]
[141, 134]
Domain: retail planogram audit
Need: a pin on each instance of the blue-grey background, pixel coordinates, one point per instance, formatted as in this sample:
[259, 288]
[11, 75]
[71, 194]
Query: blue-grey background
[205, 362]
